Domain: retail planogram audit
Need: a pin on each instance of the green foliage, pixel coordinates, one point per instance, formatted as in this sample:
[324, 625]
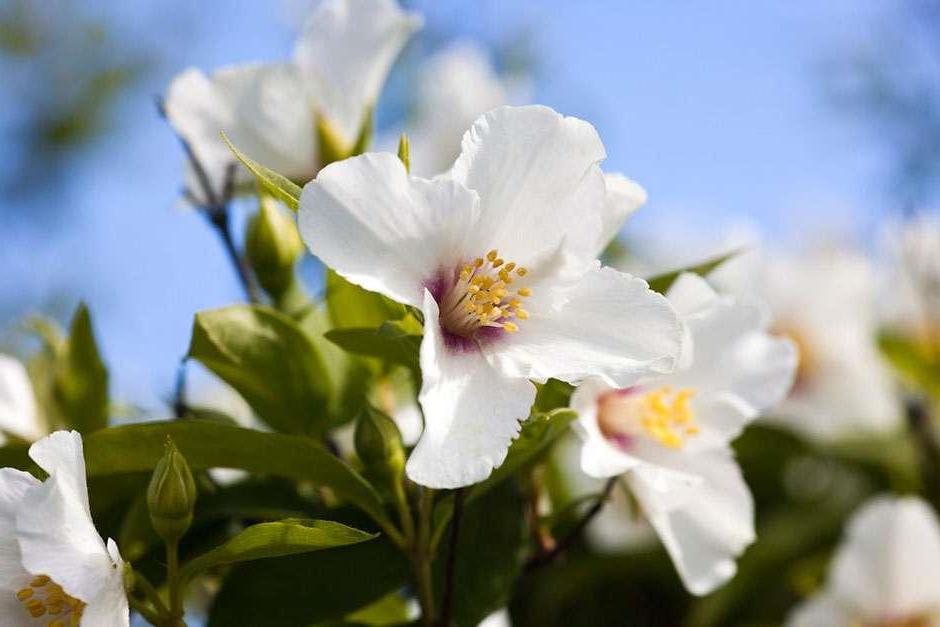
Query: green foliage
[277, 539]
[662, 282]
[308, 588]
[70, 378]
[393, 342]
[270, 361]
[350, 306]
[914, 362]
[279, 186]
[490, 553]
[137, 448]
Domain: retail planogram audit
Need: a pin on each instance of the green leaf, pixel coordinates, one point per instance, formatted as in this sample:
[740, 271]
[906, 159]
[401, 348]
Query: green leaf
[136, 448]
[80, 379]
[352, 375]
[270, 361]
[279, 186]
[308, 588]
[350, 306]
[277, 539]
[492, 547]
[392, 342]
[662, 282]
[912, 361]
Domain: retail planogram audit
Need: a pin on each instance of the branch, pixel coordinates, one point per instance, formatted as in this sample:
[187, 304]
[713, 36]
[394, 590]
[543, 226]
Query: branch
[450, 572]
[545, 558]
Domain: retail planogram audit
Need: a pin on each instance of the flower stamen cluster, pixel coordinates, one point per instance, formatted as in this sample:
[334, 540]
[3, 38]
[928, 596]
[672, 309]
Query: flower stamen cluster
[481, 297]
[45, 597]
[663, 414]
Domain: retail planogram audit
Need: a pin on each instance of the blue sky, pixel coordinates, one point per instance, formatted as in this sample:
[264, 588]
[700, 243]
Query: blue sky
[716, 108]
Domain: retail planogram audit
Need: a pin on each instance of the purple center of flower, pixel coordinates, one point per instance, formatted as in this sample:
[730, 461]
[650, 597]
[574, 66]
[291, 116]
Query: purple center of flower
[479, 301]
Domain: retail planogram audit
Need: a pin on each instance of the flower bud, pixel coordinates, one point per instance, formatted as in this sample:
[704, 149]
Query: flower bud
[171, 495]
[273, 246]
[379, 446]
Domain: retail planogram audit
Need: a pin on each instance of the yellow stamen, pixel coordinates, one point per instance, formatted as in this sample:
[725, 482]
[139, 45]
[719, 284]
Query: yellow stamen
[480, 297]
[43, 596]
[663, 414]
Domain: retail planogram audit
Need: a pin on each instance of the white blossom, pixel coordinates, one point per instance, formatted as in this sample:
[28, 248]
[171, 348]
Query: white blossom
[499, 255]
[670, 435]
[53, 564]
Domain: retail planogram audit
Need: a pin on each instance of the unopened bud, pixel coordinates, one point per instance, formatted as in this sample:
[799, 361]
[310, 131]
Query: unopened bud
[171, 495]
[273, 246]
[379, 446]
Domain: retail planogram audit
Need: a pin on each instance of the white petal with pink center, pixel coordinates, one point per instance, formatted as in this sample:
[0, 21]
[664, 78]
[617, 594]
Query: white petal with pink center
[499, 256]
[670, 434]
[53, 564]
[885, 572]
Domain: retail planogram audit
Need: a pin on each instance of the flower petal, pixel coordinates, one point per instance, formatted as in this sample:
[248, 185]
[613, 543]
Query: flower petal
[706, 529]
[598, 457]
[623, 197]
[887, 565]
[56, 534]
[607, 324]
[271, 118]
[262, 108]
[732, 349]
[382, 230]
[109, 608]
[192, 106]
[345, 51]
[18, 413]
[537, 175]
[456, 86]
[471, 412]
[823, 610]
[13, 486]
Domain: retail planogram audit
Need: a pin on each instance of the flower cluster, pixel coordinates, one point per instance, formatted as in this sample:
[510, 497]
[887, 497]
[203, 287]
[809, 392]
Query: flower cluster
[478, 380]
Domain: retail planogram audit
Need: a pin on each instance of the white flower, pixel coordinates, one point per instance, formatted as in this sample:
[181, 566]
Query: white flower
[670, 434]
[499, 254]
[19, 415]
[269, 110]
[458, 85]
[55, 570]
[825, 301]
[885, 572]
[455, 87]
[911, 301]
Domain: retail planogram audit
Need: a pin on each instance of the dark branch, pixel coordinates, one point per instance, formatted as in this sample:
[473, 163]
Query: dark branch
[450, 572]
[545, 558]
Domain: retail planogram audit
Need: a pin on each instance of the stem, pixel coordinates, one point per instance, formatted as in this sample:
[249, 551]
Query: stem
[450, 573]
[404, 512]
[918, 418]
[422, 557]
[215, 207]
[150, 592]
[543, 559]
[154, 618]
[219, 218]
[174, 583]
[294, 300]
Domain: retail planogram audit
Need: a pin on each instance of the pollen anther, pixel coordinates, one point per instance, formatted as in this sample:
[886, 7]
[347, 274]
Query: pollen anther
[481, 297]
